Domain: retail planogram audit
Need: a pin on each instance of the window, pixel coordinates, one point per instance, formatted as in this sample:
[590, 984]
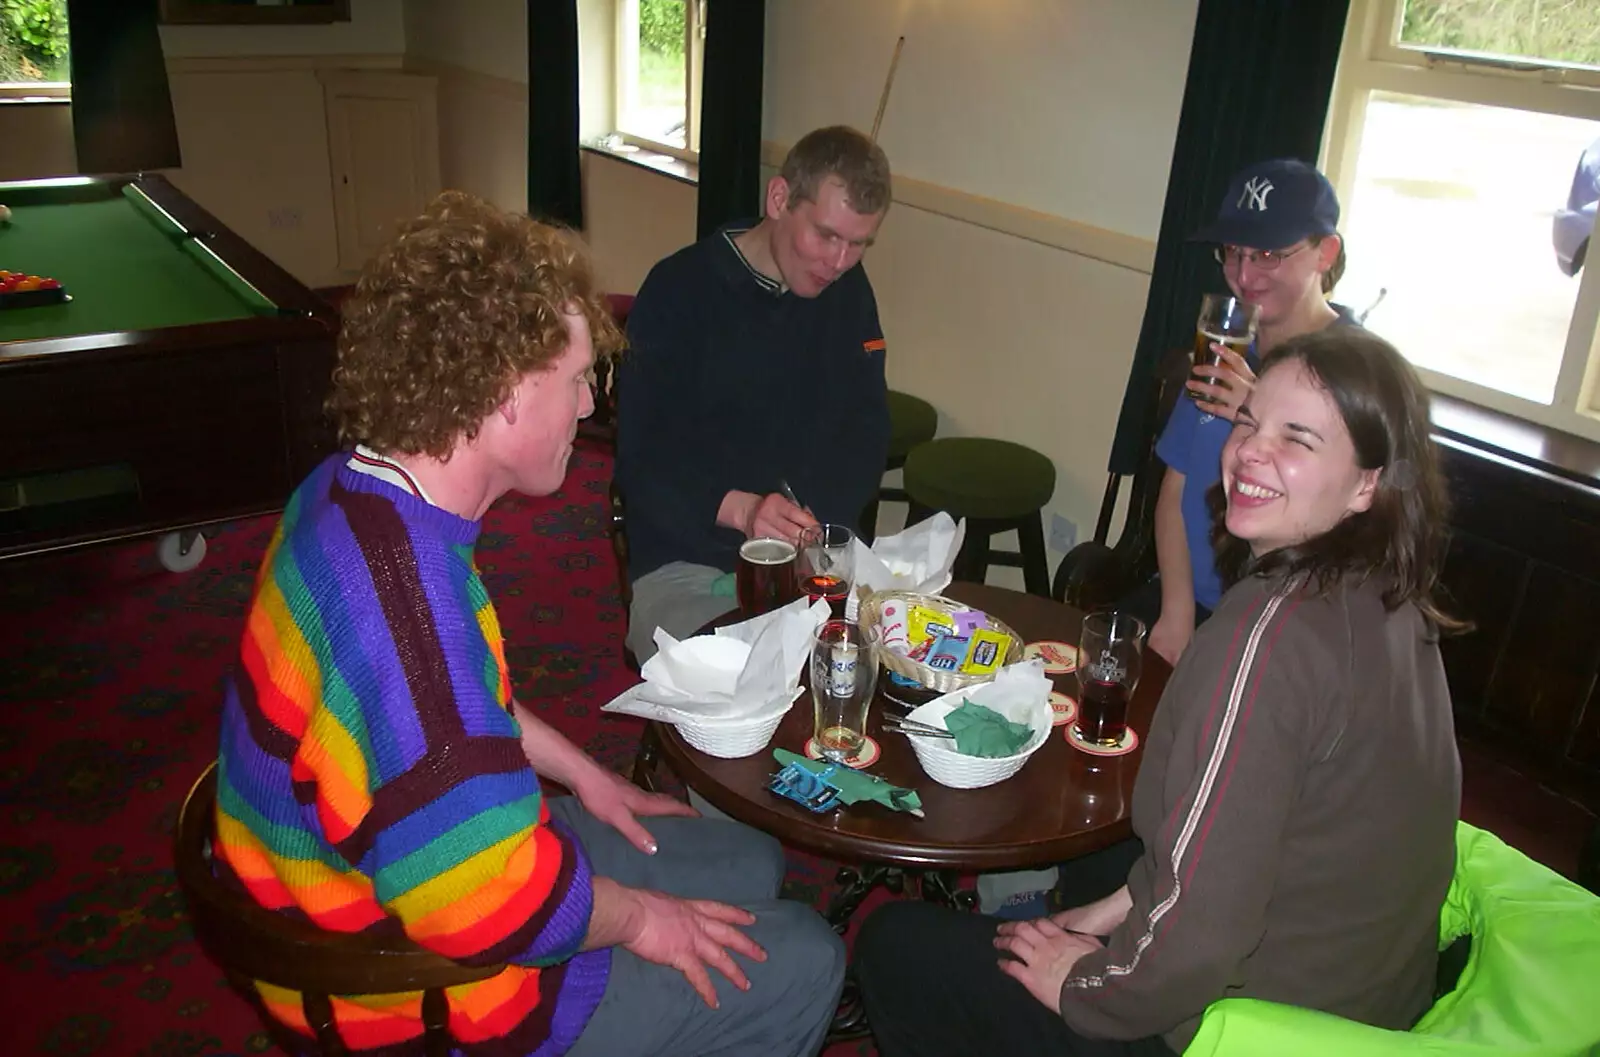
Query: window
[660, 47]
[1464, 139]
[33, 46]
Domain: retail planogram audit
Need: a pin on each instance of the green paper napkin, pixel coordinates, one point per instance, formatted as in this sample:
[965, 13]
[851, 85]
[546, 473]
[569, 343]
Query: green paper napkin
[723, 586]
[984, 732]
[856, 786]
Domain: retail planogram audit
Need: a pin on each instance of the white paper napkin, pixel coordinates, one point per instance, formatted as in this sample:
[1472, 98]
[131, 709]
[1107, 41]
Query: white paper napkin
[918, 559]
[745, 671]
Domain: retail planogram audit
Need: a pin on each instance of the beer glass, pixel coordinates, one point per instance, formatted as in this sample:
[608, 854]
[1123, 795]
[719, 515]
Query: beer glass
[765, 574]
[827, 565]
[1224, 320]
[1109, 655]
[844, 673]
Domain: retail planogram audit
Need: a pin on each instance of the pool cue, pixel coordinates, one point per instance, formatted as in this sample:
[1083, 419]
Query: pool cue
[888, 83]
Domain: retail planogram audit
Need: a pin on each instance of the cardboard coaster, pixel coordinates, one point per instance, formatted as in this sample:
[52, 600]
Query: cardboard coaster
[866, 756]
[1063, 708]
[1060, 658]
[1129, 742]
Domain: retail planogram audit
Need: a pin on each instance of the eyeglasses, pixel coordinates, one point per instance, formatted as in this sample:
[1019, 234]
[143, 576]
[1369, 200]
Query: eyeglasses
[1265, 260]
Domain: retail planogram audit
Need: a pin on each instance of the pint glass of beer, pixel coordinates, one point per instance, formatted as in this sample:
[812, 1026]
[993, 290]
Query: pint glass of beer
[765, 576]
[844, 673]
[1109, 656]
[1224, 320]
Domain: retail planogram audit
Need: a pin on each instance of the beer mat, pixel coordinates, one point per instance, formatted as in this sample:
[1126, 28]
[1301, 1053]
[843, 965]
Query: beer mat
[1060, 658]
[865, 756]
[1129, 742]
[1063, 708]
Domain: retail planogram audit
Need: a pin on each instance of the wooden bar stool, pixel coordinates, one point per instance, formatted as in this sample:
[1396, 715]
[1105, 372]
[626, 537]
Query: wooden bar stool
[912, 421]
[997, 486]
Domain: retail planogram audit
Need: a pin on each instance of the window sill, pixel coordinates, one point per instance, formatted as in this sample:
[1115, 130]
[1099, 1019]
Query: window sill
[665, 164]
[1527, 443]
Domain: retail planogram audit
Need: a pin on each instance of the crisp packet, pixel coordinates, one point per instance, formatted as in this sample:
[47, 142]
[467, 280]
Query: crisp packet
[985, 653]
[969, 620]
[924, 623]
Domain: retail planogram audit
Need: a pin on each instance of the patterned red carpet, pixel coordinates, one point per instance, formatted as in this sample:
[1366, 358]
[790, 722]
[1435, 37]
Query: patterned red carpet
[109, 677]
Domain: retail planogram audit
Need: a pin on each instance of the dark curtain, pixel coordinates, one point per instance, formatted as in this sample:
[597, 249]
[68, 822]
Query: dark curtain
[121, 104]
[1260, 74]
[730, 113]
[555, 185]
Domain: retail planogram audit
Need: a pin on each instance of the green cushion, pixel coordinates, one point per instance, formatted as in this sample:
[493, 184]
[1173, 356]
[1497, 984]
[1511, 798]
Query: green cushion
[1529, 988]
[977, 477]
[911, 422]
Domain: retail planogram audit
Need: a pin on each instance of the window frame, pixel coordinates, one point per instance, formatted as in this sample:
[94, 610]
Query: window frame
[627, 60]
[1371, 60]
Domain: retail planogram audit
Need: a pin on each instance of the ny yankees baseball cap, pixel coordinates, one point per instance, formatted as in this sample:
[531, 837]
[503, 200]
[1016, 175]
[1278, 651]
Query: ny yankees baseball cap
[1273, 204]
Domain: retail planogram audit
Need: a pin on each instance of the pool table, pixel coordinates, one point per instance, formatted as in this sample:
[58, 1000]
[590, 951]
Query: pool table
[181, 385]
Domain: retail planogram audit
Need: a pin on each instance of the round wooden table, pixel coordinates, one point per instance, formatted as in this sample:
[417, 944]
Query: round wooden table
[1062, 804]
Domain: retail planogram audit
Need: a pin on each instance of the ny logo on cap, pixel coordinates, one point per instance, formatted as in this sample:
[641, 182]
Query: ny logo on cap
[1255, 191]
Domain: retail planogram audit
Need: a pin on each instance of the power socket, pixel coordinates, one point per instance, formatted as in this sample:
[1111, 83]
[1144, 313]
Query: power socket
[1063, 534]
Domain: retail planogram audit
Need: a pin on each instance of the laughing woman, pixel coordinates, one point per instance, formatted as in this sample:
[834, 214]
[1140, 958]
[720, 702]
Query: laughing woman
[1300, 784]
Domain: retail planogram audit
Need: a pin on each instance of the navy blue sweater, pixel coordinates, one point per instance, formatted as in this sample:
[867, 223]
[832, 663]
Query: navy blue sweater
[731, 382]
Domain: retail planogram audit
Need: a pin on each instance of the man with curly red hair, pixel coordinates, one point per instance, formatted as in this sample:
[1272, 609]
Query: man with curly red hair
[376, 772]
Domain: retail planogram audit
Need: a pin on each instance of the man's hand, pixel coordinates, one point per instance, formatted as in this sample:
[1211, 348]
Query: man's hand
[1042, 956]
[618, 803]
[1171, 635]
[691, 935]
[1221, 389]
[764, 515]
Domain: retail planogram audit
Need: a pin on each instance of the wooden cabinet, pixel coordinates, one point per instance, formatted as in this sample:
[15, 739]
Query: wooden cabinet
[1524, 566]
[383, 141]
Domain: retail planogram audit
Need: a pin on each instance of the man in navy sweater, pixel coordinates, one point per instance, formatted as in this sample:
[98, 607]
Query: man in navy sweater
[756, 359]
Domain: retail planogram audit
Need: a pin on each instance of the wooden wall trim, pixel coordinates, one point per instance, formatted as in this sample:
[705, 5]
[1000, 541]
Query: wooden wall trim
[1110, 247]
[281, 63]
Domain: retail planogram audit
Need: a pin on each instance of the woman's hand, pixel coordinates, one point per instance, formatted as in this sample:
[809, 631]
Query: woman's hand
[1220, 389]
[1042, 955]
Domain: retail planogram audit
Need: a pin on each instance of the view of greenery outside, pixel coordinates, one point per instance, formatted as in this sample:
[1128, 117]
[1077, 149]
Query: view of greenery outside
[663, 78]
[1558, 30]
[33, 41]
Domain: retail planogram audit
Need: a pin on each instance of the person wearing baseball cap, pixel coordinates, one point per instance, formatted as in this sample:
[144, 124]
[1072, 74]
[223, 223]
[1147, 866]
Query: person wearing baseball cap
[1276, 237]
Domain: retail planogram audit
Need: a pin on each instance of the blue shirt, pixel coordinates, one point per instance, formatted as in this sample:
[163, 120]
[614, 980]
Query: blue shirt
[1192, 445]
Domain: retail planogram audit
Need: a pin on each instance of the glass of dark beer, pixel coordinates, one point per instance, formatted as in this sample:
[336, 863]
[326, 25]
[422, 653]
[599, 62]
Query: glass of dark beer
[827, 565]
[765, 574]
[1224, 320]
[1109, 655]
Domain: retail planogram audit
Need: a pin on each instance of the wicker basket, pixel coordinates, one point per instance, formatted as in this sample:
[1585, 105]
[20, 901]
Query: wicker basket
[940, 679]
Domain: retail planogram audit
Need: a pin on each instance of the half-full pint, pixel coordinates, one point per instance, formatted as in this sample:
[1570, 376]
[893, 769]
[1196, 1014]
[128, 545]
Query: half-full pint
[766, 575]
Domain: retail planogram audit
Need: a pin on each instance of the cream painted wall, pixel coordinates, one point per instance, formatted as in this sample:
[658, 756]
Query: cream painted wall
[36, 141]
[255, 153]
[1068, 107]
[484, 36]
[634, 218]
[375, 27]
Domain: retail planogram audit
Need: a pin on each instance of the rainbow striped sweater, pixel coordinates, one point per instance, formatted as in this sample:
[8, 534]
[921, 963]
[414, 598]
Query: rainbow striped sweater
[371, 775]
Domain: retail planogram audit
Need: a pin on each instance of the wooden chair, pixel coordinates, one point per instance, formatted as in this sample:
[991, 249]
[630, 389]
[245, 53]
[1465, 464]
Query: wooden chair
[250, 942]
[648, 756]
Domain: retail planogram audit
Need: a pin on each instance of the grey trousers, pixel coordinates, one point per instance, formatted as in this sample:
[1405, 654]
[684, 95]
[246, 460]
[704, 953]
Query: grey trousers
[650, 1010]
[676, 597]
